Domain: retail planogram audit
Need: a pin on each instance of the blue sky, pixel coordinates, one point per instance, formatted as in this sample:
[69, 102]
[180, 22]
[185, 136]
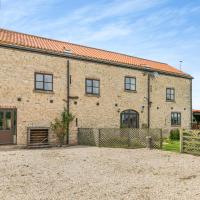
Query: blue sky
[163, 30]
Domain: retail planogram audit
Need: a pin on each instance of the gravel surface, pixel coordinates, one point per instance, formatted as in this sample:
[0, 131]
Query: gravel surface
[98, 173]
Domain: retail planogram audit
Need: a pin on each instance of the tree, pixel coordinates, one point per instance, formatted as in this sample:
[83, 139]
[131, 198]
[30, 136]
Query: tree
[60, 125]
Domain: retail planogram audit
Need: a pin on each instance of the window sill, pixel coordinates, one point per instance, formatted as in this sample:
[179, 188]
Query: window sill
[172, 101]
[92, 95]
[131, 91]
[43, 91]
[175, 125]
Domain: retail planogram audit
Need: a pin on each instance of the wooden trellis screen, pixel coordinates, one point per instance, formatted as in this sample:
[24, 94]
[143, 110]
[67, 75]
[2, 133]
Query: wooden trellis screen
[124, 137]
[190, 141]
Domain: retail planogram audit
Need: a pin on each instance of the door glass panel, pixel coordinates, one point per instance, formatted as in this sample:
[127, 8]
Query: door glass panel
[129, 119]
[124, 123]
[15, 121]
[1, 120]
[8, 120]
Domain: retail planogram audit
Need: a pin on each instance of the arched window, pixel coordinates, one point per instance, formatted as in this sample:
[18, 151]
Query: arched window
[129, 119]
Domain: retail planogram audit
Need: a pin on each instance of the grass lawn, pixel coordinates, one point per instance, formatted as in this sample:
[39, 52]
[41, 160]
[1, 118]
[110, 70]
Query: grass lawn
[171, 145]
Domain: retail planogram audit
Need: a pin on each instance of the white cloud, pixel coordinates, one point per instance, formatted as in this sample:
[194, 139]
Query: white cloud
[115, 8]
[26, 16]
[16, 14]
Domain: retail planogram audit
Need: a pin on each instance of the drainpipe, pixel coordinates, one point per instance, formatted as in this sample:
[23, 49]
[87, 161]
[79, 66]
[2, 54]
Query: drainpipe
[149, 102]
[191, 104]
[68, 94]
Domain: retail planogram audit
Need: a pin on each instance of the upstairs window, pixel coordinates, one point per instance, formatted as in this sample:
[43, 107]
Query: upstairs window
[130, 83]
[170, 94]
[175, 119]
[92, 86]
[43, 82]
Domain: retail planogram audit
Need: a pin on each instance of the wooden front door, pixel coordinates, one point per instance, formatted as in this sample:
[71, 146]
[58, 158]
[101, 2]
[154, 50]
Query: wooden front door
[7, 125]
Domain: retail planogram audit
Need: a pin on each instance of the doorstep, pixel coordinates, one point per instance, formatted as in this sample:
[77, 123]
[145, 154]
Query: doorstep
[5, 147]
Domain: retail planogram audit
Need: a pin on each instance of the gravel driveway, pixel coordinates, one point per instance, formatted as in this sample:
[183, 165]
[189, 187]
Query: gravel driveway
[98, 173]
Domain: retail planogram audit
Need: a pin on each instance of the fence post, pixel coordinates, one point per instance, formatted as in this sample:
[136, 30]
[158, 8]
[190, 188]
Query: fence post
[149, 142]
[148, 132]
[181, 140]
[129, 138]
[99, 138]
[161, 139]
[78, 136]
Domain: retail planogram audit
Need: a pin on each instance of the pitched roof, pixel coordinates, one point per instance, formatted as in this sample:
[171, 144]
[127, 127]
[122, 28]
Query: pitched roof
[54, 46]
[196, 111]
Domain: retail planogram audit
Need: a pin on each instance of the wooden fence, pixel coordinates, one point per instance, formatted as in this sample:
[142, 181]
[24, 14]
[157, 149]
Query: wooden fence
[124, 137]
[195, 126]
[190, 141]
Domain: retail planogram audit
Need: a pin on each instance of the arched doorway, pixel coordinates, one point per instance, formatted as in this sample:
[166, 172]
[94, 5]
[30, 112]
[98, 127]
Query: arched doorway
[129, 119]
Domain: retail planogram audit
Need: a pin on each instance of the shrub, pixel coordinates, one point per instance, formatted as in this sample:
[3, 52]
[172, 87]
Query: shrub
[174, 134]
[60, 126]
[124, 126]
[144, 126]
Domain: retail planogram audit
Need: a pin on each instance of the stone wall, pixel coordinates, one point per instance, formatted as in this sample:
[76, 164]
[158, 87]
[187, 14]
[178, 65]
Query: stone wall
[112, 92]
[17, 80]
[17, 70]
[161, 109]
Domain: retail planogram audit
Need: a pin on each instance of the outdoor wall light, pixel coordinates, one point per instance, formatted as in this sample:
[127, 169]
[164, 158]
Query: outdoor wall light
[142, 109]
[19, 99]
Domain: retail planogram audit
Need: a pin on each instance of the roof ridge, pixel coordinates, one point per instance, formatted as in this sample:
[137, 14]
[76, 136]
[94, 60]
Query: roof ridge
[50, 39]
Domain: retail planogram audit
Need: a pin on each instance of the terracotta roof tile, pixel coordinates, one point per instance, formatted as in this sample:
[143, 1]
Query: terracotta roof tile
[25, 40]
[196, 111]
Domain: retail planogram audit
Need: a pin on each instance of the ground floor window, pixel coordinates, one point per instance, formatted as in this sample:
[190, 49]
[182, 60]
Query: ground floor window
[129, 119]
[175, 119]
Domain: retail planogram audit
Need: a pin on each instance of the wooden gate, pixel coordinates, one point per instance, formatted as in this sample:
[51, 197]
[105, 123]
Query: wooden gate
[190, 141]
